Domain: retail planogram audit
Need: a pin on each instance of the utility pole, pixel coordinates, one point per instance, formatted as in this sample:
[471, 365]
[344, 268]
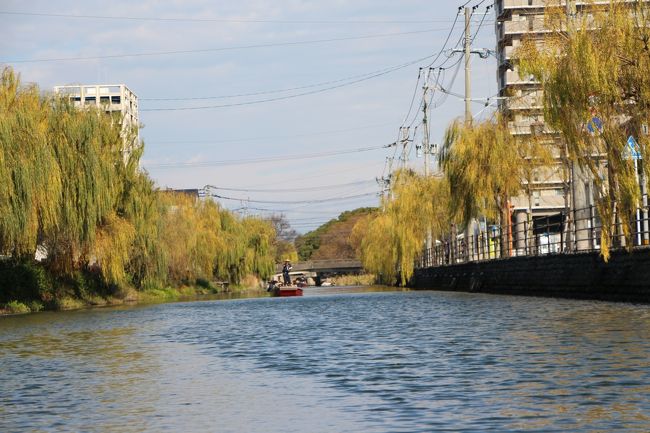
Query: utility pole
[404, 131]
[467, 51]
[426, 147]
[468, 82]
[469, 230]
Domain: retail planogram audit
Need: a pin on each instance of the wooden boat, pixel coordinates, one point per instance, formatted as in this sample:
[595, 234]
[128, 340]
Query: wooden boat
[287, 291]
[282, 291]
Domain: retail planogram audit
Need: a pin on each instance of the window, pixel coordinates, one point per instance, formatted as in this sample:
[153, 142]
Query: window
[104, 100]
[70, 90]
[90, 100]
[116, 99]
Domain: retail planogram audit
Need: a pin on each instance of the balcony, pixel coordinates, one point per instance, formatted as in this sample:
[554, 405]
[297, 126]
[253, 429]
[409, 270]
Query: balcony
[511, 78]
[525, 100]
[524, 24]
[503, 7]
[527, 126]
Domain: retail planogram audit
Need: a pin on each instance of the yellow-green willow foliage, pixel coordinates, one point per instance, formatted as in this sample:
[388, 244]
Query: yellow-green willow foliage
[189, 237]
[30, 177]
[201, 240]
[112, 248]
[142, 206]
[396, 235]
[260, 256]
[66, 184]
[599, 68]
[88, 148]
[247, 248]
[483, 168]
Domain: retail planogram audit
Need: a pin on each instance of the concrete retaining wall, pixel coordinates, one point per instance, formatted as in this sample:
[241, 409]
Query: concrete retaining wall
[626, 277]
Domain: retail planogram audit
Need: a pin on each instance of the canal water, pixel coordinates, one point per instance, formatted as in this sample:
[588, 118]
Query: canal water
[332, 361]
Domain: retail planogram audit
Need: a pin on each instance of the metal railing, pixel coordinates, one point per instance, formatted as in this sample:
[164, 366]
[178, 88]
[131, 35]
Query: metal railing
[579, 231]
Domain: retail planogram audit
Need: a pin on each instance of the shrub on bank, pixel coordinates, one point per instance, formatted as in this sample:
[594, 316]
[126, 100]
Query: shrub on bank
[23, 281]
[15, 307]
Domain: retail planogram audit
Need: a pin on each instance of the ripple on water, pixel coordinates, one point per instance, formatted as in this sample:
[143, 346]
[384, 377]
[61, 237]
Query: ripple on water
[406, 361]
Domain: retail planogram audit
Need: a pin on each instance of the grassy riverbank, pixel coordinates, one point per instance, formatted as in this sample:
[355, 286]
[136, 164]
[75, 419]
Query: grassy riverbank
[151, 296]
[28, 287]
[354, 280]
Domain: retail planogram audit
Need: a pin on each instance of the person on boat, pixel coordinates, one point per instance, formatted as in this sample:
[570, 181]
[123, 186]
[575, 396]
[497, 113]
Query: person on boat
[285, 272]
[272, 286]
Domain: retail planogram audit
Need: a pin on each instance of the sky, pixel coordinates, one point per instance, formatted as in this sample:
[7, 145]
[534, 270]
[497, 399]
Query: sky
[326, 86]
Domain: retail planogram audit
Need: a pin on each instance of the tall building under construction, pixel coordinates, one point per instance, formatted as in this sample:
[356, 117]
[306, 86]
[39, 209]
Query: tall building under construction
[522, 102]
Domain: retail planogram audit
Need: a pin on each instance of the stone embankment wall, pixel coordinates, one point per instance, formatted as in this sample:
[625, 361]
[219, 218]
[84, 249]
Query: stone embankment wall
[626, 277]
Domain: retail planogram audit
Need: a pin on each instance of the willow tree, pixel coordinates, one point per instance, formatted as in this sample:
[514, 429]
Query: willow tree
[484, 171]
[393, 239]
[88, 151]
[260, 237]
[30, 178]
[595, 75]
[378, 247]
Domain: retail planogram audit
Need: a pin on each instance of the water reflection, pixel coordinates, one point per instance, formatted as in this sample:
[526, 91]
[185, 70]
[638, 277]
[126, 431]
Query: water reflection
[332, 361]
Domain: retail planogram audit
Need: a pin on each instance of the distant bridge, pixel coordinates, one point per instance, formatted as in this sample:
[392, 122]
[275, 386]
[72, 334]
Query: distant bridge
[320, 269]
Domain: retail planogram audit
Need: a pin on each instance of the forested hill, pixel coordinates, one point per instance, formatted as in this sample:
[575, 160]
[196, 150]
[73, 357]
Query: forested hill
[331, 240]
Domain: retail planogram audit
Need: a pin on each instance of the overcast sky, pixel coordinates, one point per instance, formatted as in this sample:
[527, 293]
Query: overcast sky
[336, 55]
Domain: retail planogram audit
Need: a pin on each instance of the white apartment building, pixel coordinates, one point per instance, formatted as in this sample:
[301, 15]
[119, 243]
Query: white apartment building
[516, 20]
[111, 98]
[522, 104]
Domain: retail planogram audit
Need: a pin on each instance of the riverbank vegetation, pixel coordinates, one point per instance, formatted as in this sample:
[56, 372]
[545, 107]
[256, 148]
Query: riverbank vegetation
[595, 77]
[72, 194]
[331, 240]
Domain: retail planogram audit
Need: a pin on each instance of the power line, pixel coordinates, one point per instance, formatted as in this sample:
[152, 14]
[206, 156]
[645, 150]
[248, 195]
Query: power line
[266, 92]
[267, 159]
[323, 200]
[451, 31]
[295, 95]
[239, 140]
[415, 91]
[216, 20]
[313, 188]
[284, 211]
[232, 48]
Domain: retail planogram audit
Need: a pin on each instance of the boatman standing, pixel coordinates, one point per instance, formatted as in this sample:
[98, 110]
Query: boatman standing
[285, 272]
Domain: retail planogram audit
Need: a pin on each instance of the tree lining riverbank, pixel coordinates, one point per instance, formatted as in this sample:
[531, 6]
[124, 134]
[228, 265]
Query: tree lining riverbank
[71, 189]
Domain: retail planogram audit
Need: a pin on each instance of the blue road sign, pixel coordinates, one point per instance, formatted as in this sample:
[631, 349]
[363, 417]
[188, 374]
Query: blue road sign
[595, 124]
[632, 150]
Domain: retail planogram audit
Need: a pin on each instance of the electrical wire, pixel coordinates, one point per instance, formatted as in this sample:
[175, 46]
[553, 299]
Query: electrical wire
[290, 89]
[285, 97]
[216, 20]
[312, 188]
[275, 137]
[220, 49]
[444, 45]
[441, 68]
[264, 160]
[284, 211]
[323, 200]
[415, 91]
